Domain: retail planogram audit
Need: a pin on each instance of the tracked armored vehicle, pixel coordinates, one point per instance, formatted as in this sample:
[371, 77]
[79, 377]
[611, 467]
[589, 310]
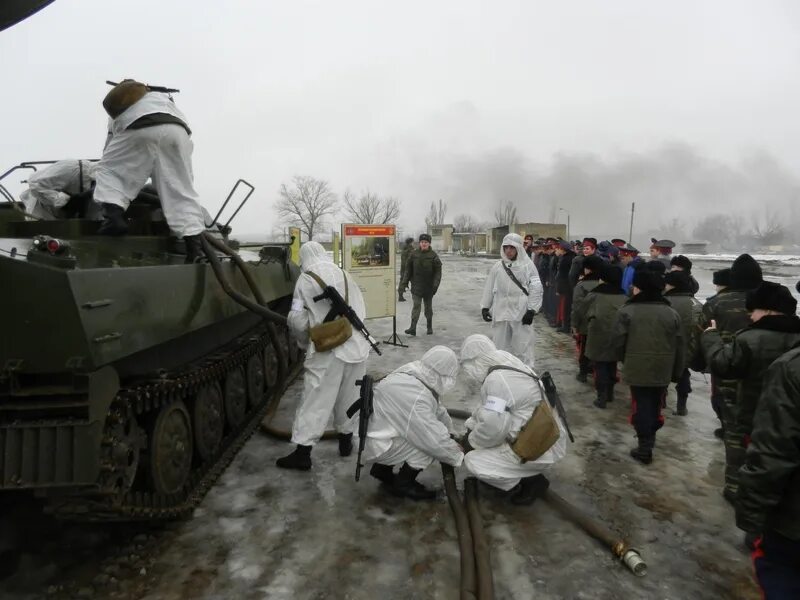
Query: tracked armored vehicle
[128, 379]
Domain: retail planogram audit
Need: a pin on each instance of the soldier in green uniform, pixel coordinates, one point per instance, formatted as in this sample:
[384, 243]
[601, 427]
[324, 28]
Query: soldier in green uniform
[423, 272]
[728, 310]
[589, 279]
[407, 250]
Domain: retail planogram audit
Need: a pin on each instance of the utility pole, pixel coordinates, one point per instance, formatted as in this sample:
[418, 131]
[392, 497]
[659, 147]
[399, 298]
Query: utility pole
[630, 231]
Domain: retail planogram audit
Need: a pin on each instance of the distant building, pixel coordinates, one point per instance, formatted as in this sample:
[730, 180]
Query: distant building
[694, 247]
[441, 237]
[470, 242]
[537, 230]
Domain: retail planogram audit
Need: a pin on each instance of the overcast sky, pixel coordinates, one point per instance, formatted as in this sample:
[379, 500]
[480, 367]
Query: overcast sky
[419, 100]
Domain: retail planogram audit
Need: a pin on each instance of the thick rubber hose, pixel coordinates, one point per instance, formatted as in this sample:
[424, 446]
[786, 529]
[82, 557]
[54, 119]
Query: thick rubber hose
[467, 589]
[457, 413]
[286, 435]
[483, 561]
[600, 532]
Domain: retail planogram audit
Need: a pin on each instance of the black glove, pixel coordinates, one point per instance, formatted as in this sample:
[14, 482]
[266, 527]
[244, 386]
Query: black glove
[486, 316]
[527, 319]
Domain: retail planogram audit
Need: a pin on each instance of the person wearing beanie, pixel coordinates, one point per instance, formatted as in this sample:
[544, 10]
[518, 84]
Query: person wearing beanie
[424, 273]
[678, 290]
[512, 295]
[600, 309]
[588, 248]
[682, 263]
[769, 491]
[721, 279]
[590, 279]
[563, 287]
[647, 339]
[745, 356]
[629, 259]
[728, 312]
[408, 248]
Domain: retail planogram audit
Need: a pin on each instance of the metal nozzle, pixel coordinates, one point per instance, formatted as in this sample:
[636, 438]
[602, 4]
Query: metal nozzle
[634, 562]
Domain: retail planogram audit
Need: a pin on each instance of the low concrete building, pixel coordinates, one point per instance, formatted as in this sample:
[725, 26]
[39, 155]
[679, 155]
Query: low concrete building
[471, 243]
[441, 237]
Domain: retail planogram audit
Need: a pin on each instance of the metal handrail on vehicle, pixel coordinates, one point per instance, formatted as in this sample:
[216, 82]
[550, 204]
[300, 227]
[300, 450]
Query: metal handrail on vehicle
[241, 204]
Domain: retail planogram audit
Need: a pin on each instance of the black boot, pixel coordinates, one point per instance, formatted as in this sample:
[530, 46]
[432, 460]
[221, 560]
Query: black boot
[430, 327]
[345, 444]
[412, 330]
[610, 392]
[581, 376]
[680, 410]
[644, 451]
[194, 248]
[114, 222]
[382, 473]
[530, 488]
[405, 485]
[300, 459]
[400, 298]
[602, 395]
[719, 432]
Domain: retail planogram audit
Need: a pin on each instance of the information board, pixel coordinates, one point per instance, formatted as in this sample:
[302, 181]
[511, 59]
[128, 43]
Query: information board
[368, 254]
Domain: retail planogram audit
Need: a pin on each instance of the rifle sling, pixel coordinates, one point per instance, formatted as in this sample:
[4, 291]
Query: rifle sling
[516, 282]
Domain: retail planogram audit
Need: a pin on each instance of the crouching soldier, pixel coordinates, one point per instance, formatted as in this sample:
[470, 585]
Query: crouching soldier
[647, 338]
[409, 427]
[774, 329]
[510, 393]
[332, 364]
[600, 313]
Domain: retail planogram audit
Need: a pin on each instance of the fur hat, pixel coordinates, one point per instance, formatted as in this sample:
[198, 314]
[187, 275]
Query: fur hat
[771, 296]
[682, 262]
[656, 266]
[566, 246]
[722, 277]
[424, 237]
[745, 273]
[594, 263]
[648, 279]
[409, 240]
[611, 274]
[679, 280]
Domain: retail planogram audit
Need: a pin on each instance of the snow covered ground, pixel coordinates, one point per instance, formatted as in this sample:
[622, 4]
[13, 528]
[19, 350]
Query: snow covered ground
[266, 533]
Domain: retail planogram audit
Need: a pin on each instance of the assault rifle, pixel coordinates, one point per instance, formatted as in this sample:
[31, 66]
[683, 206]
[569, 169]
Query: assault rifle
[363, 406]
[340, 308]
[552, 397]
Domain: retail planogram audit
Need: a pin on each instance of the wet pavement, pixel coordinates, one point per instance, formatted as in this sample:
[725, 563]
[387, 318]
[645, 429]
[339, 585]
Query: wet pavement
[266, 533]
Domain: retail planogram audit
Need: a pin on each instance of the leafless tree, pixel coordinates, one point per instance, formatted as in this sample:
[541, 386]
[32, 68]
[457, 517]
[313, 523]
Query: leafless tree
[769, 228]
[506, 213]
[436, 213]
[467, 224]
[370, 208]
[305, 203]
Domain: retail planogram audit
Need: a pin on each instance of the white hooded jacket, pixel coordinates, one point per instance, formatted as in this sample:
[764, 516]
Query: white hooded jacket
[508, 398]
[406, 407]
[53, 186]
[501, 295]
[306, 313]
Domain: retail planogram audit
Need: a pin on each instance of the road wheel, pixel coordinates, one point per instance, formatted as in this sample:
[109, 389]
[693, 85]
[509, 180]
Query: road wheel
[171, 449]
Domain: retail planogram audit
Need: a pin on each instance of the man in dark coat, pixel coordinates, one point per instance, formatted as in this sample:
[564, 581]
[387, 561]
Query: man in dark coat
[681, 263]
[681, 298]
[600, 308]
[589, 248]
[424, 273]
[647, 339]
[768, 499]
[774, 330]
[590, 279]
[407, 250]
[630, 260]
[728, 310]
[563, 287]
[527, 243]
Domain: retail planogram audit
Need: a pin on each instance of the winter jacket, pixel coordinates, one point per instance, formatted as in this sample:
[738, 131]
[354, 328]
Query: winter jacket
[544, 268]
[769, 481]
[423, 272]
[600, 309]
[647, 338]
[691, 313]
[563, 285]
[747, 356]
[555, 260]
[727, 308]
[407, 250]
[627, 275]
[585, 285]
[576, 270]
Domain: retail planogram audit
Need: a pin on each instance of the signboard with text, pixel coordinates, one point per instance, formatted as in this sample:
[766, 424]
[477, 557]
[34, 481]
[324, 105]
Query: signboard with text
[368, 254]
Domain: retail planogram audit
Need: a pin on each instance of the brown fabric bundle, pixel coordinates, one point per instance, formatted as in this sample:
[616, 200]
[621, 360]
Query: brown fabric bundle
[330, 334]
[122, 96]
[538, 435]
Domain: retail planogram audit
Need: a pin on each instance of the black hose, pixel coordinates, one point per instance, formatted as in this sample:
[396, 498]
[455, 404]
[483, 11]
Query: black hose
[483, 561]
[467, 589]
[457, 413]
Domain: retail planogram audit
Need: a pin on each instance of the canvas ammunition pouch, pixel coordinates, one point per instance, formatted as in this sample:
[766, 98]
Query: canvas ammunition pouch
[541, 431]
[122, 96]
[331, 333]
